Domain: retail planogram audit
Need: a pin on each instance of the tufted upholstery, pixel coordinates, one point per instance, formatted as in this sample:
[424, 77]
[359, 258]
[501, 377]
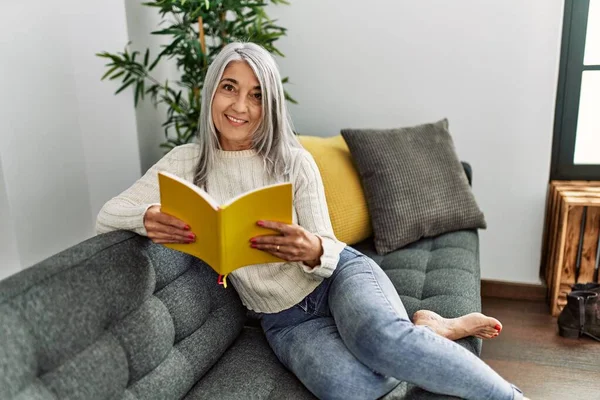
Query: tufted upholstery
[114, 317]
[249, 370]
[439, 274]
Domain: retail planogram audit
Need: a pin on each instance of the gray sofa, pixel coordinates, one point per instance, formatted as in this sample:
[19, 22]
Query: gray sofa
[118, 317]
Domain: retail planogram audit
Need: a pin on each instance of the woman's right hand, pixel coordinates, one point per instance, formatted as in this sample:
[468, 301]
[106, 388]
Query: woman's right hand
[163, 228]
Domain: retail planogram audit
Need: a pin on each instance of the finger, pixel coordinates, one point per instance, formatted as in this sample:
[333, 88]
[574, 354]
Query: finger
[279, 253]
[168, 237]
[278, 226]
[270, 247]
[279, 246]
[166, 240]
[275, 249]
[163, 229]
[170, 220]
[270, 239]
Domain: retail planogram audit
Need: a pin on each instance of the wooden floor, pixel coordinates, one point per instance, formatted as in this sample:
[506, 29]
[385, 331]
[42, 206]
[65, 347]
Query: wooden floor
[530, 353]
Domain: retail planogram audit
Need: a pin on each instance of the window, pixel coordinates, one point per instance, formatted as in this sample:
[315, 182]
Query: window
[576, 146]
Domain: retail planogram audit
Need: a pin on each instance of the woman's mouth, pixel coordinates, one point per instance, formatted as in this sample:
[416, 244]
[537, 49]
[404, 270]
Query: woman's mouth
[235, 121]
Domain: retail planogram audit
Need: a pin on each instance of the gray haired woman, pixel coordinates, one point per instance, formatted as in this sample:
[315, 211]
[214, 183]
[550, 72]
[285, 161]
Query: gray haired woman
[329, 312]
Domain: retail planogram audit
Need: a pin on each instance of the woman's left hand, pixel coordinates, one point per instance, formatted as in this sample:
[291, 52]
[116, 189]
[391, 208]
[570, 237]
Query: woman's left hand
[294, 244]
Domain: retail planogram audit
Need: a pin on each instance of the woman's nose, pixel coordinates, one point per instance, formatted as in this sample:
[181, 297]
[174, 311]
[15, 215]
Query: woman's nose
[239, 105]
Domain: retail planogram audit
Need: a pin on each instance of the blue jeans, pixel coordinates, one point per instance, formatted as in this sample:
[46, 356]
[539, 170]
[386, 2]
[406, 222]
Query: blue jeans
[351, 338]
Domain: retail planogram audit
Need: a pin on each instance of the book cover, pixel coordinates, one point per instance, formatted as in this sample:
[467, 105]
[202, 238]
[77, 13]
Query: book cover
[223, 231]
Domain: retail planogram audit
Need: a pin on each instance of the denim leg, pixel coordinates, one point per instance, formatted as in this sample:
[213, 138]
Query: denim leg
[374, 326]
[310, 346]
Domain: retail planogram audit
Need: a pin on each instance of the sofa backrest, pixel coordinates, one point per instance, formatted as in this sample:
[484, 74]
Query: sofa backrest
[113, 317]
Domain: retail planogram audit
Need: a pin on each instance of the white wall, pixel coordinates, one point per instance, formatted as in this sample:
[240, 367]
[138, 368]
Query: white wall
[491, 67]
[66, 143]
[8, 244]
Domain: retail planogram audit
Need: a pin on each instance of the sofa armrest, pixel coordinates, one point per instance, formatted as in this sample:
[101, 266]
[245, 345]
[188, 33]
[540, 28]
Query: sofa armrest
[468, 171]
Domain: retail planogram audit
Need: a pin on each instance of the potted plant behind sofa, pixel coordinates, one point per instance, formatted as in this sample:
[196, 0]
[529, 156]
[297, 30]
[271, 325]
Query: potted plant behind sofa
[199, 30]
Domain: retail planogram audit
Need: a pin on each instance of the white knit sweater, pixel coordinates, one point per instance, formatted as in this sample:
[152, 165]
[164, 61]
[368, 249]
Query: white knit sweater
[264, 288]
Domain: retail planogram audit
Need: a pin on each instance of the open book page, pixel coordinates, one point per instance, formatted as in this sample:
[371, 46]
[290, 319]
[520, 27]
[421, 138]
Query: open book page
[239, 218]
[185, 201]
[198, 190]
[272, 189]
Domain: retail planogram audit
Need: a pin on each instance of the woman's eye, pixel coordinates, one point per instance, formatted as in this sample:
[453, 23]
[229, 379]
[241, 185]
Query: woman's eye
[228, 87]
[257, 96]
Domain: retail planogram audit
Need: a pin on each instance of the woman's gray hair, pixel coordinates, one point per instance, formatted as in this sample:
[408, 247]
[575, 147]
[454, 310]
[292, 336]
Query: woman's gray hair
[274, 138]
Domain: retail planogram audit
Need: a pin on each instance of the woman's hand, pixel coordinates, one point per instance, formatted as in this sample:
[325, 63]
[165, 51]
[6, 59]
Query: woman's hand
[163, 228]
[294, 244]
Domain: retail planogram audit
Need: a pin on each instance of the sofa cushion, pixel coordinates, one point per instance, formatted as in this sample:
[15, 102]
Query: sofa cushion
[249, 369]
[440, 274]
[345, 197]
[113, 317]
[414, 183]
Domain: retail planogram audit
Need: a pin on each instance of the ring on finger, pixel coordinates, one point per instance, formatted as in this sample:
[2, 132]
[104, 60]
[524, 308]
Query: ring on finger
[277, 248]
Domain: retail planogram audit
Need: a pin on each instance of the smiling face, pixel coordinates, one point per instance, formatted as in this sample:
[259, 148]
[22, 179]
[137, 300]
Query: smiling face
[237, 106]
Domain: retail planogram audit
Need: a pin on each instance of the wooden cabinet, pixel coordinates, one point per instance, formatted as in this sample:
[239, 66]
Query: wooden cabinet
[570, 252]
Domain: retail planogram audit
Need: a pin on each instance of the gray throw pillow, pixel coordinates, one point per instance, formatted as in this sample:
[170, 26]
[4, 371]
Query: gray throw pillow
[414, 183]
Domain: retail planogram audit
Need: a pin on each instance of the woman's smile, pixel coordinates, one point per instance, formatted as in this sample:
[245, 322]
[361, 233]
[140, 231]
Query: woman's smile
[235, 121]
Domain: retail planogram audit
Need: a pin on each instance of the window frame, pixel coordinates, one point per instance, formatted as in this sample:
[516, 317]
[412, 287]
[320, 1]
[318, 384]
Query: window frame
[568, 94]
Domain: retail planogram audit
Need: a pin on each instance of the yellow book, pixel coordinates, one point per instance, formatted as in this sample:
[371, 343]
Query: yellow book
[223, 231]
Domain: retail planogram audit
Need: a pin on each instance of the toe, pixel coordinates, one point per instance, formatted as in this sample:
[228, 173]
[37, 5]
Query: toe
[418, 316]
[495, 324]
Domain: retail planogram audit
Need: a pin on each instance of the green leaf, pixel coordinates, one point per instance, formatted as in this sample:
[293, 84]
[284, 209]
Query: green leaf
[104, 55]
[289, 98]
[118, 75]
[167, 31]
[110, 71]
[125, 86]
[274, 50]
[154, 63]
[146, 57]
[171, 48]
[143, 89]
[136, 96]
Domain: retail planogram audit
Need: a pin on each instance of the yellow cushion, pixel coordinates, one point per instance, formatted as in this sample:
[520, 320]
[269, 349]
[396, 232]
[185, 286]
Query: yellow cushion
[345, 198]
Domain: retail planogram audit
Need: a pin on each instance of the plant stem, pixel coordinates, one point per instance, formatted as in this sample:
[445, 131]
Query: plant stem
[201, 35]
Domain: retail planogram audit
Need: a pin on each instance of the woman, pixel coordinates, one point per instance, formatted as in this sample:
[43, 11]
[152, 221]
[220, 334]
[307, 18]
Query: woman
[329, 312]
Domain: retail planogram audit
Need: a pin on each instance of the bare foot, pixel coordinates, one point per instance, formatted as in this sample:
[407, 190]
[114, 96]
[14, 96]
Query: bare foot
[474, 324]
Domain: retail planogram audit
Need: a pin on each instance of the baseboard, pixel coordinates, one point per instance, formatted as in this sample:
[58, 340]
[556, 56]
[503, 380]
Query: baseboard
[512, 290]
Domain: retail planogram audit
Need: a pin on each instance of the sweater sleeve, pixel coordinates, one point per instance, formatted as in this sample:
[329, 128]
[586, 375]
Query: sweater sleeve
[126, 211]
[313, 215]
